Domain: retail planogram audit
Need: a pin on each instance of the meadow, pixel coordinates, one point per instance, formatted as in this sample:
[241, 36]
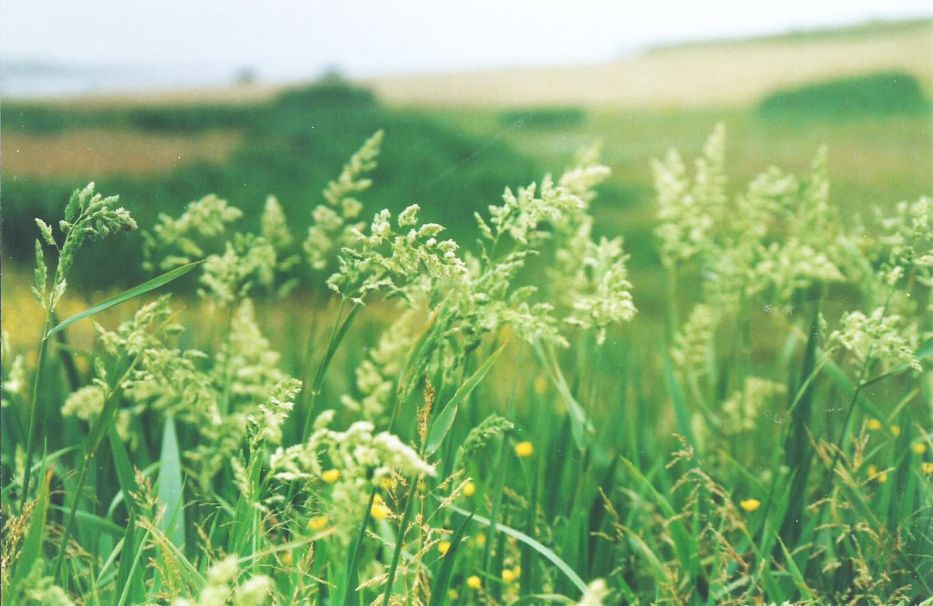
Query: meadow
[314, 354]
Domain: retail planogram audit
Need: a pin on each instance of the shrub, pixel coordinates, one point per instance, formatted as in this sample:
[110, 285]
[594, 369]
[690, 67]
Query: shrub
[884, 93]
[545, 117]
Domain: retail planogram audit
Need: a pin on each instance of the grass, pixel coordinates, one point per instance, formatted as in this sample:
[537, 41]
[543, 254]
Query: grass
[291, 147]
[752, 459]
[821, 493]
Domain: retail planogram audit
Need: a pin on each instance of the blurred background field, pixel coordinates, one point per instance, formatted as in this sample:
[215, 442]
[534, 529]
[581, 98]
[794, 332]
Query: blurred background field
[455, 140]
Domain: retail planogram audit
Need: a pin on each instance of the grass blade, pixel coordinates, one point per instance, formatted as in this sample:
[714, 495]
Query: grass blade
[441, 585]
[125, 296]
[31, 550]
[546, 552]
[445, 419]
[171, 491]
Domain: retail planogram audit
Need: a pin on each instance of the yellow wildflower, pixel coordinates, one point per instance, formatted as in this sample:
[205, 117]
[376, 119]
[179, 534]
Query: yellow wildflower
[879, 476]
[452, 594]
[331, 475]
[919, 448]
[480, 540]
[443, 547]
[469, 489]
[524, 449]
[750, 505]
[474, 582]
[508, 575]
[379, 510]
[318, 523]
[895, 430]
[873, 424]
[928, 468]
[287, 558]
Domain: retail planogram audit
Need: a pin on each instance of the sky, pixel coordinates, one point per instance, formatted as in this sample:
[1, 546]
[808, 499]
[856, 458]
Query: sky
[293, 39]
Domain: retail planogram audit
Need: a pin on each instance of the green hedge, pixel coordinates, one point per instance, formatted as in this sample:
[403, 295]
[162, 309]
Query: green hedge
[878, 94]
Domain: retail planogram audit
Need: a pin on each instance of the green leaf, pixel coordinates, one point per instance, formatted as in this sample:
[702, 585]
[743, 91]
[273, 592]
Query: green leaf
[547, 553]
[677, 399]
[94, 522]
[125, 475]
[125, 296]
[171, 489]
[128, 574]
[31, 550]
[445, 420]
[579, 422]
[685, 548]
[795, 573]
[442, 580]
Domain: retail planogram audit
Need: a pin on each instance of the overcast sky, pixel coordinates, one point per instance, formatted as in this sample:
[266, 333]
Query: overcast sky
[285, 39]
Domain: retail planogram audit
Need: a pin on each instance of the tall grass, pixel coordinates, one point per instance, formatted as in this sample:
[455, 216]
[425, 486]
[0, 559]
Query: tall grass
[481, 427]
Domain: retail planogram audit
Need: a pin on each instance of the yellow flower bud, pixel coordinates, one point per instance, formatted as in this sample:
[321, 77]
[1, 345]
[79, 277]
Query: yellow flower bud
[750, 505]
[469, 489]
[474, 582]
[379, 510]
[318, 523]
[524, 449]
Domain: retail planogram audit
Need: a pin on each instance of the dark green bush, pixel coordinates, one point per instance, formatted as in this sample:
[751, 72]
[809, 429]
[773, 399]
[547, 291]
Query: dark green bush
[546, 117]
[292, 146]
[875, 94]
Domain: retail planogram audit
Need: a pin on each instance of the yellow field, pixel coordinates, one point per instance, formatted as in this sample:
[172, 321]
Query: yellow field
[102, 151]
[728, 73]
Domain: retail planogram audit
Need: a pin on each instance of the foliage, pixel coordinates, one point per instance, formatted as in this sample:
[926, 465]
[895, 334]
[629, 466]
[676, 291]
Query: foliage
[847, 98]
[292, 146]
[474, 447]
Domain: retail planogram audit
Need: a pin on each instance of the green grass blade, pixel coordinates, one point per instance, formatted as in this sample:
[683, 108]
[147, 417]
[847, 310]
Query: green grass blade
[353, 561]
[171, 490]
[124, 467]
[579, 422]
[125, 296]
[31, 550]
[128, 588]
[678, 400]
[94, 522]
[441, 585]
[546, 552]
[445, 420]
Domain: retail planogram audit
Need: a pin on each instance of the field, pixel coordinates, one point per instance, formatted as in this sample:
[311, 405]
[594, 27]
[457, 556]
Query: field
[637, 377]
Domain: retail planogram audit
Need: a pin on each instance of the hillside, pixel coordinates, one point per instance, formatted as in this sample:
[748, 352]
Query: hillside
[693, 75]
